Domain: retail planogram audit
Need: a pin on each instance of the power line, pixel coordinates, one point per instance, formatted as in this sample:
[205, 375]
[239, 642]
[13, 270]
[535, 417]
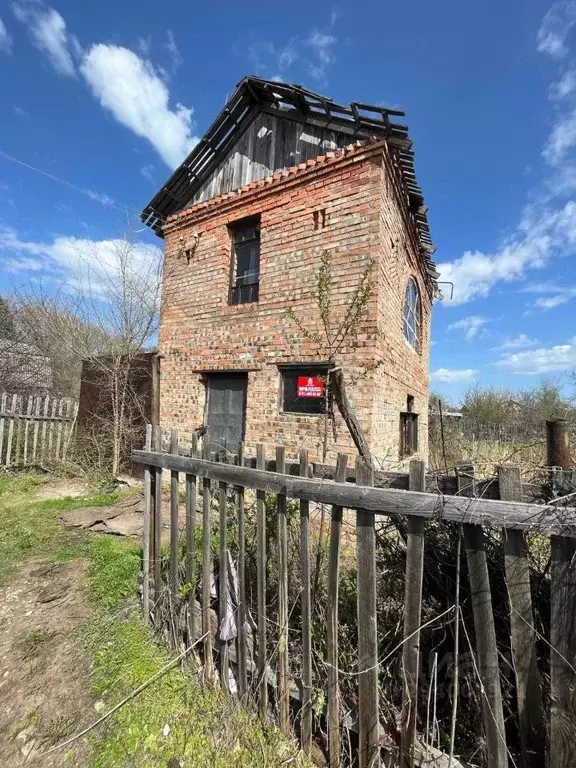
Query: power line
[99, 197]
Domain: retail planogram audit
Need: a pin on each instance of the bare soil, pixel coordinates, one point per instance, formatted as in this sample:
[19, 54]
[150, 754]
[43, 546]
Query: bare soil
[44, 696]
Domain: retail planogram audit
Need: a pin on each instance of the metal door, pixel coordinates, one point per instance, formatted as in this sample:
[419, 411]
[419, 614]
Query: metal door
[225, 412]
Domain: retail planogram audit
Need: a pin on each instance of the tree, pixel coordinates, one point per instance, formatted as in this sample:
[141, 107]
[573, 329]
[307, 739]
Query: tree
[106, 315]
[7, 327]
[338, 327]
[487, 405]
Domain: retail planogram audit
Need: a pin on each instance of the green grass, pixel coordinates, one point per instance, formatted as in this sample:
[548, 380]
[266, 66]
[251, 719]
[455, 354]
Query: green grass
[176, 717]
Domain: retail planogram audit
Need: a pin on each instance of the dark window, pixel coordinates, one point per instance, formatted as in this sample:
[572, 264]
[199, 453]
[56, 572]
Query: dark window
[412, 314]
[408, 429]
[304, 389]
[245, 261]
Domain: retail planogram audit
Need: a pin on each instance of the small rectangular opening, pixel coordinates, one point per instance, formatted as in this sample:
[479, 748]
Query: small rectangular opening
[408, 429]
[245, 237]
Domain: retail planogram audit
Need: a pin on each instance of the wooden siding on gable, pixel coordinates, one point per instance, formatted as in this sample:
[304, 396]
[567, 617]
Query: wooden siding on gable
[269, 144]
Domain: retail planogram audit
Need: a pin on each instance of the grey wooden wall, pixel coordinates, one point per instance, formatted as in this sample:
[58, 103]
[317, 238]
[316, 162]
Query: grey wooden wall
[269, 144]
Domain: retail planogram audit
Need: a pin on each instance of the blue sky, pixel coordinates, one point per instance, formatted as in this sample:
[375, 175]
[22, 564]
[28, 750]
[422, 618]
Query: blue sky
[111, 96]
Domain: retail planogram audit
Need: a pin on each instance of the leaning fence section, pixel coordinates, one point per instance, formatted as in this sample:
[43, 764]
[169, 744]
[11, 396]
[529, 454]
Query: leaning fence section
[195, 591]
[35, 430]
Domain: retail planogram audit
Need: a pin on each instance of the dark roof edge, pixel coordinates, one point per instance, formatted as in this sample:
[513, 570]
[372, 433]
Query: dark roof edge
[253, 94]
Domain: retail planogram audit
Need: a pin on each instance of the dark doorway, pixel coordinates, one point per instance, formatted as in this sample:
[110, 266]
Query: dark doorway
[225, 411]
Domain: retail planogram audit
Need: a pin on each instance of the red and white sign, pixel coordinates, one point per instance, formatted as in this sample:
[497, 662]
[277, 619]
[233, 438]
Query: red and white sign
[310, 386]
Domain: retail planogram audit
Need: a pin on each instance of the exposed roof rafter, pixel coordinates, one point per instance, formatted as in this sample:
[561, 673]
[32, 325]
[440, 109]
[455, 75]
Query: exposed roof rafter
[253, 94]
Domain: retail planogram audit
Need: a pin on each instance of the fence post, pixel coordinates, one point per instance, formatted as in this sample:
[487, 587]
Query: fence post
[222, 585]
[174, 504]
[562, 618]
[242, 643]
[146, 531]
[332, 624]
[282, 540]
[558, 443]
[306, 713]
[563, 651]
[261, 587]
[157, 445]
[206, 566]
[487, 651]
[412, 614]
[191, 542]
[528, 692]
[369, 747]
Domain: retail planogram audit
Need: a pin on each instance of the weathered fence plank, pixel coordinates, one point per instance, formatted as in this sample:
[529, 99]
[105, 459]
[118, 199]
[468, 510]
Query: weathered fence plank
[242, 609]
[306, 712]
[191, 543]
[2, 416]
[412, 619]
[35, 432]
[206, 567]
[282, 540]
[332, 621]
[146, 533]
[522, 636]
[222, 584]
[174, 504]
[562, 652]
[261, 589]
[11, 432]
[26, 425]
[368, 747]
[477, 511]
[487, 651]
[44, 448]
[157, 438]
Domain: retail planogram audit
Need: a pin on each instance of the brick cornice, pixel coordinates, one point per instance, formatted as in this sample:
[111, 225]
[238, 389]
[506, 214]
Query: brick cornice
[287, 178]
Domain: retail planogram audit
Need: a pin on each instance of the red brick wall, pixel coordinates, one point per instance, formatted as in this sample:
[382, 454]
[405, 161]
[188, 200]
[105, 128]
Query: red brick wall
[200, 331]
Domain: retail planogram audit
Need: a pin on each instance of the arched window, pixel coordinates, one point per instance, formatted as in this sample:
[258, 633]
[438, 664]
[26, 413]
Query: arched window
[412, 314]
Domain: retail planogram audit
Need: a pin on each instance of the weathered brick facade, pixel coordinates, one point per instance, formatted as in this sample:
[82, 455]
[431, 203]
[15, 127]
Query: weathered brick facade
[366, 216]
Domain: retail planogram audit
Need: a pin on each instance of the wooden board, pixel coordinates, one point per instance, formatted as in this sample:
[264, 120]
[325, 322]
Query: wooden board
[479, 511]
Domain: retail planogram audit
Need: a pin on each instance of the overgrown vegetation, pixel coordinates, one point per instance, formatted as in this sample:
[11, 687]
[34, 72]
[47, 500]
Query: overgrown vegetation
[496, 425]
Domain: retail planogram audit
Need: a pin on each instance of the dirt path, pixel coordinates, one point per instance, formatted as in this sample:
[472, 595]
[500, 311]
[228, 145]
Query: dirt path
[44, 690]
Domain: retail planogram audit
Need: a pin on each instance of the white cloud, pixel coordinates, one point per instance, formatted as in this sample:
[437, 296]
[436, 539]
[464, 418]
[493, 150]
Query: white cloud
[131, 90]
[564, 87]
[148, 172]
[553, 294]
[555, 28]
[469, 325]
[5, 39]
[21, 112]
[173, 52]
[538, 237]
[561, 140]
[522, 341]
[451, 375]
[322, 46]
[65, 256]
[48, 31]
[541, 360]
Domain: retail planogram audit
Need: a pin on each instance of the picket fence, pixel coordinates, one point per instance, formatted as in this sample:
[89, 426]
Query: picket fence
[546, 739]
[35, 430]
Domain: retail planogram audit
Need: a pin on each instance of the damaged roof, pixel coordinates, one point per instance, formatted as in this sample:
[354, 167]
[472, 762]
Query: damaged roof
[254, 95]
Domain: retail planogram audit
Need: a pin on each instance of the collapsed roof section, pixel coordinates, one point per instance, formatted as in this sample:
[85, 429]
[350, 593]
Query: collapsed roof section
[254, 95]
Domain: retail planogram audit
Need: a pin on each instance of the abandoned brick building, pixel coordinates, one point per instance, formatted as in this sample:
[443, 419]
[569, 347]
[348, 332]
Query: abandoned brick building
[281, 176]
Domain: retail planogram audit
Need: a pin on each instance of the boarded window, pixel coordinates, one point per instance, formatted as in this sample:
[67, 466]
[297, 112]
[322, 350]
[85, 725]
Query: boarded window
[245, 261]
[304, 389]
[412, 314]
[408, 430]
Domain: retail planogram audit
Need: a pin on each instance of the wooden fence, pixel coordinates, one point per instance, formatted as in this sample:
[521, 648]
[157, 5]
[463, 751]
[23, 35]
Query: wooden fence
[545, 740]
[35, 430]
